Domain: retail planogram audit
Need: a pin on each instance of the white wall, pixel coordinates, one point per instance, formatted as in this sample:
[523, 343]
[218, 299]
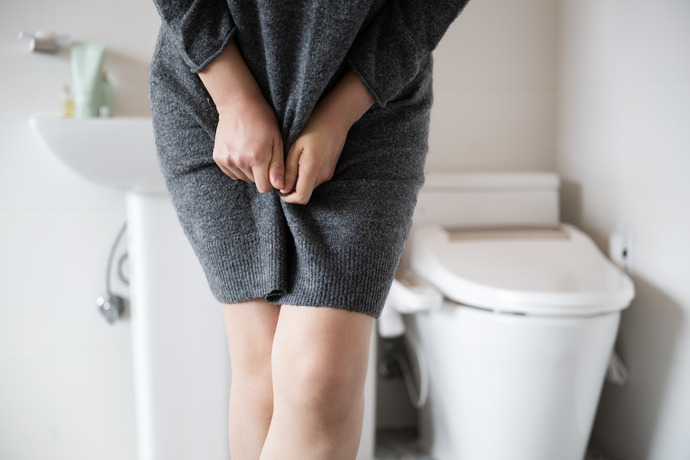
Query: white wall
[624, 152]
[495, 89]
[65, 374]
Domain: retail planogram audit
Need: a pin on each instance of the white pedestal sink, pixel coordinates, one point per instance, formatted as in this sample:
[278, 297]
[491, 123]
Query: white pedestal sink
[181, 363]
[182, 373]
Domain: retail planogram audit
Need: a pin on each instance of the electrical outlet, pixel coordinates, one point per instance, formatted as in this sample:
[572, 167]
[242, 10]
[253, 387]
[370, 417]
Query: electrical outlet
[622, 246]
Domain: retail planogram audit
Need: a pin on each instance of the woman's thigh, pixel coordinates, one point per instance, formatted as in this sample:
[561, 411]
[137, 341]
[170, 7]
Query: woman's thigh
[250, 328]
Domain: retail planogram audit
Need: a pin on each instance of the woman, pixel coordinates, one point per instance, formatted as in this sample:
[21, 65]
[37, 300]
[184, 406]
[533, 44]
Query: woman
[292, 137]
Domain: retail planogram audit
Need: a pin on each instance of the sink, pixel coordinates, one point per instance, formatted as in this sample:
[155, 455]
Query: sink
[114, 152]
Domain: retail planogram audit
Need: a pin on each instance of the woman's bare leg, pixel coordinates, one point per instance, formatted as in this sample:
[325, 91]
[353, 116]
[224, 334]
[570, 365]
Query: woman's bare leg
[250, 328]
[319, 358]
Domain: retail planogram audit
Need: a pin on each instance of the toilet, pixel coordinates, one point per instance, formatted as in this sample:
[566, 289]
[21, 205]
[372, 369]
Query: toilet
[514, 315]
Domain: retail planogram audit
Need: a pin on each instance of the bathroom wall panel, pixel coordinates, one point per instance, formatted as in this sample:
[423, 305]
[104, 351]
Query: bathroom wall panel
[494, 82]
[28, 265]
[491, 129]
[28, 422]
[86, 381]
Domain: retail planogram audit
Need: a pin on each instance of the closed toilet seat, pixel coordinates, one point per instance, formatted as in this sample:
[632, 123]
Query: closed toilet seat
[552, 272]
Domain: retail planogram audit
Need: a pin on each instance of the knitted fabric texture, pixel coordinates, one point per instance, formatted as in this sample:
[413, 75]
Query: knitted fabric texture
[341, 249]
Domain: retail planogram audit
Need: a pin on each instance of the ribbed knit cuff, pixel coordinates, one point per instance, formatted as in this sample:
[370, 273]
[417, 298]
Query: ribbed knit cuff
[239, 275]
[355, 279]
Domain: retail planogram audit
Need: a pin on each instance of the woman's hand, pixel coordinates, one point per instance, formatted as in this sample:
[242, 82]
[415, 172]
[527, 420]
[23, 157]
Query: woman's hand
[312, 158]
[248, 144]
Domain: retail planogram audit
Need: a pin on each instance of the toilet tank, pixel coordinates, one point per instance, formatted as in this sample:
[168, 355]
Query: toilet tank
[489, 200]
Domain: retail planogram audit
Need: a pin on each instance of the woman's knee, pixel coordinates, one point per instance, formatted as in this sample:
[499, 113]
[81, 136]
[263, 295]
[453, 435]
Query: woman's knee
[320, 362]
[318, 388]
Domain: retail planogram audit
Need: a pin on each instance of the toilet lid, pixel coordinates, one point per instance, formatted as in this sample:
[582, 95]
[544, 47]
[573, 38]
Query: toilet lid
[556, 272]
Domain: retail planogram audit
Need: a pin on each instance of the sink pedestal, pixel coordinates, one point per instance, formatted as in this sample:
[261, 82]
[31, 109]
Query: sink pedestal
[181, 362]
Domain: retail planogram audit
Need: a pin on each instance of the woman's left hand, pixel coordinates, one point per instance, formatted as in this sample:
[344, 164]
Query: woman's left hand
[313, 156]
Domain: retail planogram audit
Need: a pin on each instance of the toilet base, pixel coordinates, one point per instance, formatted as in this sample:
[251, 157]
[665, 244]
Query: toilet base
[506, 386]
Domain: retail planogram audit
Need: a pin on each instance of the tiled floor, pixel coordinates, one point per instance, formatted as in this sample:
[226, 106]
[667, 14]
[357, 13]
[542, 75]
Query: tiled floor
[596, 454]
[402, 445]
[398, 445]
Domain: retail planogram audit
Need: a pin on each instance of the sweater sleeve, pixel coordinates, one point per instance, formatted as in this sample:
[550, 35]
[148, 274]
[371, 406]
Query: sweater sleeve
[201, 29]
[386, 55]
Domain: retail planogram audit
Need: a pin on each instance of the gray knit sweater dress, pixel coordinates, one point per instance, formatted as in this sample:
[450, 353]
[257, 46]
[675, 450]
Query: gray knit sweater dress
[342, 248]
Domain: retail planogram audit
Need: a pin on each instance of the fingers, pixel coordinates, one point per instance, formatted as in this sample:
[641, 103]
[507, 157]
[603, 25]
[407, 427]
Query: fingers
[234, 174]
[305, 183]
[269, 174]
[260, 175]
[276, 169]
[291, 168]
[227, 172]
[251, 167]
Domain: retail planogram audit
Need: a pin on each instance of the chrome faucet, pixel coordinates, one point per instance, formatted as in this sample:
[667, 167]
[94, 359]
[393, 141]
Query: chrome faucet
[44, 41]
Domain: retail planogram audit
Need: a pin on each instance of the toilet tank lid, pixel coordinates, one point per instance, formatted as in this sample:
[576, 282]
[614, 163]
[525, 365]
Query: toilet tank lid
[530, 273]
[492, 180]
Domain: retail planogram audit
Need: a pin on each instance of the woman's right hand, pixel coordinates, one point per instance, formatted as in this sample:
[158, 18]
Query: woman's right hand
[248, 143]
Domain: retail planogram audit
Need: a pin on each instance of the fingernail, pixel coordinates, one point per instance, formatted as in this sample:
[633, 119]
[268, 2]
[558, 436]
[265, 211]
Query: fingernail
[292, 189]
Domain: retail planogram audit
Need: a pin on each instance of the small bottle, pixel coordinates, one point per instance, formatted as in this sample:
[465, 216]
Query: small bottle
[105, 108]
[66, 102]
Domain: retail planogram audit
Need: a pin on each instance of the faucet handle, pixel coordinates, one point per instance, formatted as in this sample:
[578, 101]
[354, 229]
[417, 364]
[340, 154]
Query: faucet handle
[43, 41]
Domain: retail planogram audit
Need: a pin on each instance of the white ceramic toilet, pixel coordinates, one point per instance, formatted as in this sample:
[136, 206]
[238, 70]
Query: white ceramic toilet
[516, 352]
